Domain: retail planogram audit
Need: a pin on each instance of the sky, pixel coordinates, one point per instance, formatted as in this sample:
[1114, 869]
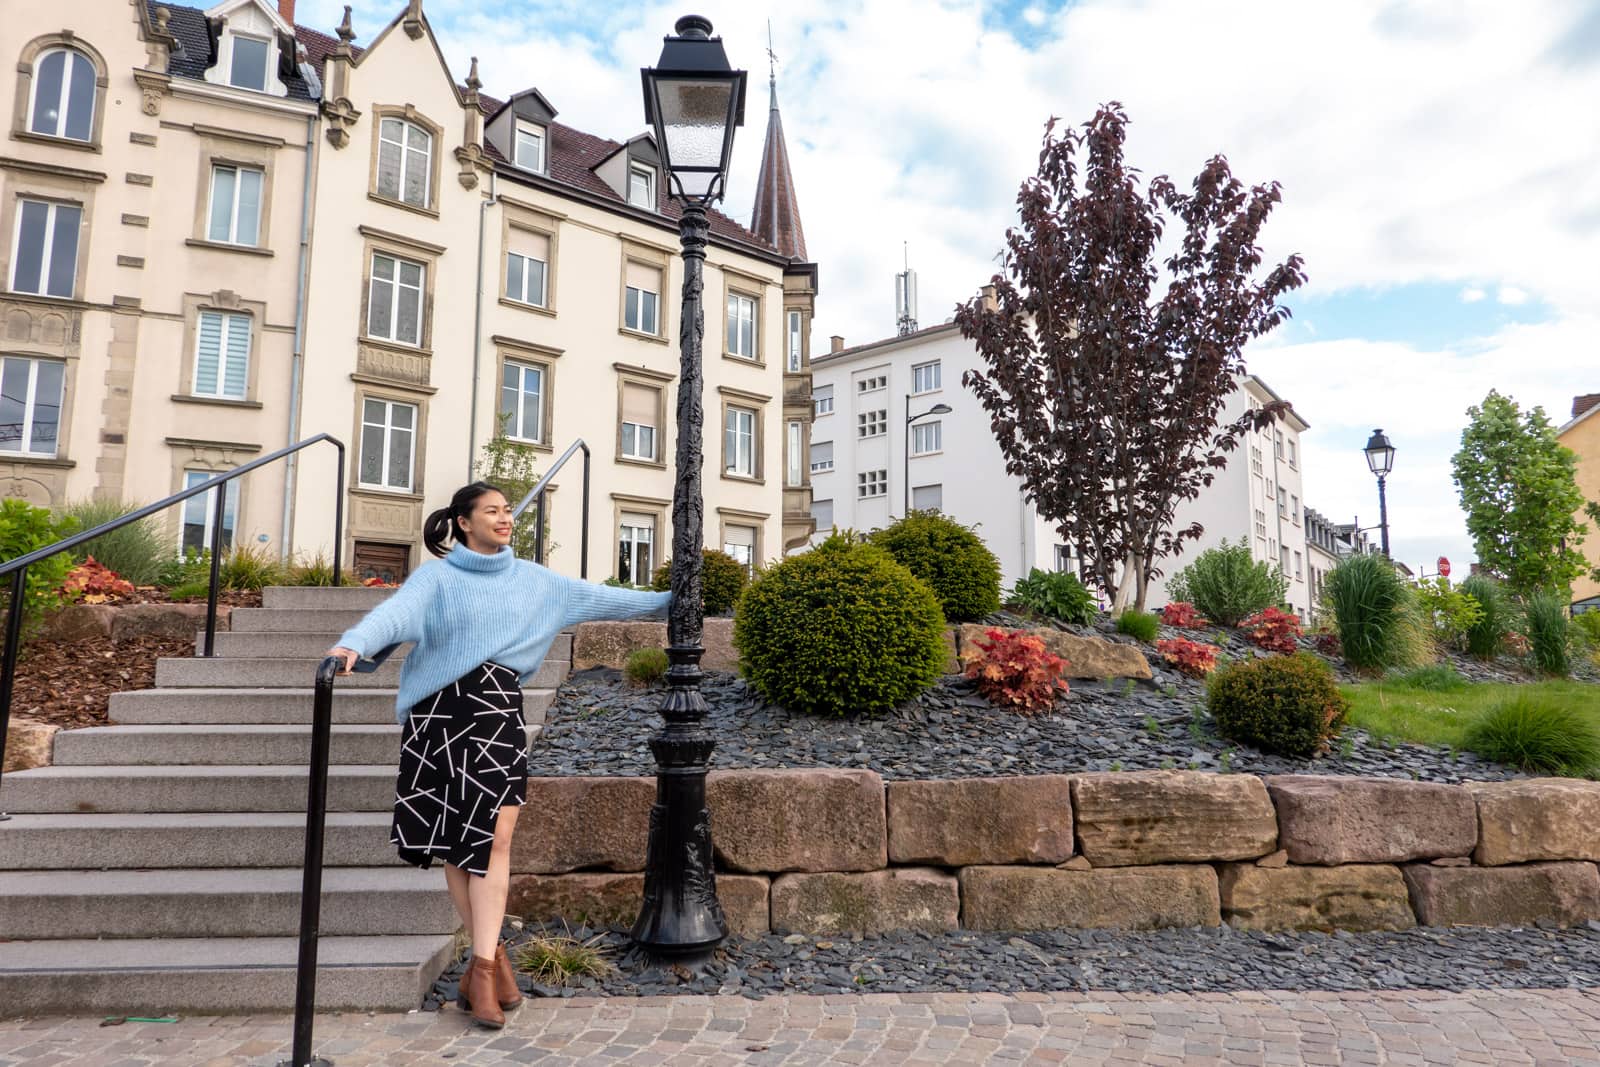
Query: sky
[1439, 162]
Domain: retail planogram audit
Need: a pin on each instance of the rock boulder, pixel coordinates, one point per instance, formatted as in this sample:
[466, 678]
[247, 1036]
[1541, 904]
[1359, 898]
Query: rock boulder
[871, 903]
[1047, 898]
[819, 819]
[574, 823]
[1352, 897]
[1567, 893]
[1537, 819]
[966, 821]
[1331, 820]
[1147, 817]
[1087, 657]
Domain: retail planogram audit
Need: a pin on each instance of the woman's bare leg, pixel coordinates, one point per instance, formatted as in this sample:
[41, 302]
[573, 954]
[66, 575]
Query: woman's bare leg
[458, 880]
[487, 894]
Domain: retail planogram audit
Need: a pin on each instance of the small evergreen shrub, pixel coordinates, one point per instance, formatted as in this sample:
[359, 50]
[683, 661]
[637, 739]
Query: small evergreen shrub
[1549, 633]
[1538, 734]
[1588, 626]
[722, 581]
[24, 529]
[950, 557]
[646, 666]
[1014, 669]
[1451, 611]
[137, 551]
[249, 568]
[1370, 604]
[1485, 637]
[841, 629]
[1182, 614]
[1140, 625]
[1226, 583]
[1433, 678]
[1274, 630]
[1191, 657]
[1286, 705]
[1055, 594]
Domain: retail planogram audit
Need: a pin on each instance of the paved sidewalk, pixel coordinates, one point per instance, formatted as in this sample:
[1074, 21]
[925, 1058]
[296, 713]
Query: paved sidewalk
[1541, 1027]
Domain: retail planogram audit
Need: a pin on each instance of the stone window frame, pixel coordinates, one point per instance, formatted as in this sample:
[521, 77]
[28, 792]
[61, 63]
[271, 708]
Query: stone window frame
[658, 258]
[365, 391]
[226, 148]
[27, 59]
[737, 283]
[511, 350]
[54, 185]
[409, 113]
[743, 517]
[394, 245]
[648, 379]
[657, 509]
[757, 402]
[211, 457]
[61, 411]
[227, 303]
[545, 224]
[66, 350]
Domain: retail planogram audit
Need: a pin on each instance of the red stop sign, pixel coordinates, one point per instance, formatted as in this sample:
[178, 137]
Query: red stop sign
[1444, 567]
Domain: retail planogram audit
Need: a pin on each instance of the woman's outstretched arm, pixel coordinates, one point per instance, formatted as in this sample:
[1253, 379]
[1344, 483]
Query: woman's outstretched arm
[396, 620]
[591, 602]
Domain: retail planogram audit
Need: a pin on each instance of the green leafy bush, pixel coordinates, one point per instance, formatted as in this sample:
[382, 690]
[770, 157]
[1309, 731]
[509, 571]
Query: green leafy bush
[1451, 611]
[1287, 705]
[1538, 734]
[1588, 626]
[1226, 583]
[1433, 678]
[950, 557]
[1140, 625]
[23, 529]
[838, 630]
[1371, 605]
[646, 666]
[1056, 594]
[1497, 617]
[137, 551]
[722, 581]
[186, 569]
[1549, 633]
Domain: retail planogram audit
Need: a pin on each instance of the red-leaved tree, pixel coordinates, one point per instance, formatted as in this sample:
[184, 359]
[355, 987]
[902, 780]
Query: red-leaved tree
[1104, 393]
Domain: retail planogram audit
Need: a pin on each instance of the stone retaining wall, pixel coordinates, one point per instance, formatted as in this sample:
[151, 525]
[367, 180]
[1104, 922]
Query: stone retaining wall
[840, 851]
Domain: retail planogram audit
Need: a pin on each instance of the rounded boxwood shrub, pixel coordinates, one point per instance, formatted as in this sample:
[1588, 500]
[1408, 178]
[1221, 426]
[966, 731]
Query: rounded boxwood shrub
[950, 557]
[722, 579]
[1286, 705]
[839, 630]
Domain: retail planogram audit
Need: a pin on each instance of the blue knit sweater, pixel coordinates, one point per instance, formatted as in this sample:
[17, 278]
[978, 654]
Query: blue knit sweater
[470, 607]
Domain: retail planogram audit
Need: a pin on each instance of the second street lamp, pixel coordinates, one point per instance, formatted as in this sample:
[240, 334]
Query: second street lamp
[937, 409]
[1380, 460]
[694, 100]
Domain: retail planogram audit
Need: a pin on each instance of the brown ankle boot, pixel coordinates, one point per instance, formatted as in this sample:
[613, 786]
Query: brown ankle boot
[505, 980]
[477, 994]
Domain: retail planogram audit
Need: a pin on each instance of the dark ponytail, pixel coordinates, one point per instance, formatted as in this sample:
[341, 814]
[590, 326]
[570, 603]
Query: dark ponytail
[445, 524]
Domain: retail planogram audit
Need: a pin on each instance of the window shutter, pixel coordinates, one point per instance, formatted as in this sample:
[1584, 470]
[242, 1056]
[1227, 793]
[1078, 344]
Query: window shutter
[643, 277]
[209, 354]
[238, 366]
[530, 244]
[639, 404]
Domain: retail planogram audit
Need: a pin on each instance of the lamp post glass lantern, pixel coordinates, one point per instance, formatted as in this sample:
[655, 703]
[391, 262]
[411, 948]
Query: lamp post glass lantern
[937, 409]
[1380, 461]
[694, 100]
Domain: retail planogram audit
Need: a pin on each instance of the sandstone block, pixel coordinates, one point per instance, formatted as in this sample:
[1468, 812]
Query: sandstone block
[1146, 817]
[1537, 819]
[615, 899]
[1351, 897]
[79, 622]
[720, 655]
[164, 620]
[818, 819]
[1566, 893]
[1331, 820]
[608, 644]
[966, 821]
[903, 898]
[28, 744]
[575, 822]
[1046, 898]
[1087, 657]
[952, 659]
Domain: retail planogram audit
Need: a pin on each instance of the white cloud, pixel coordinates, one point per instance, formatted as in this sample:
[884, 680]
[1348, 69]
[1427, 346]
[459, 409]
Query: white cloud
[1511, 295]
[1034, 16]
[1472, 294]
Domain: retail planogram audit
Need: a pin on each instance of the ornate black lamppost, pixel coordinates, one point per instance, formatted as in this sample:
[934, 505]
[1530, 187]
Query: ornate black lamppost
[694, 100]
[1380, 460]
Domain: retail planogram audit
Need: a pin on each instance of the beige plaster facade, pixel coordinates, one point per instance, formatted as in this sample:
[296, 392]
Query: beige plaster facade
[1582, 435]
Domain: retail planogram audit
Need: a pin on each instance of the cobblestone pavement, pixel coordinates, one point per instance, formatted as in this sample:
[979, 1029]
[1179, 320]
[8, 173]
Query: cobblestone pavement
[1539, 1027]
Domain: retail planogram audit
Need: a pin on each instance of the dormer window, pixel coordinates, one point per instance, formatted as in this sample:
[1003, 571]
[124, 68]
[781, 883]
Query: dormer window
[530, 150]
[247, 64]
[642, 187]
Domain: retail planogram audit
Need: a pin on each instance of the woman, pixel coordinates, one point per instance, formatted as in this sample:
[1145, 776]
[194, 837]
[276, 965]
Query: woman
[481, 622]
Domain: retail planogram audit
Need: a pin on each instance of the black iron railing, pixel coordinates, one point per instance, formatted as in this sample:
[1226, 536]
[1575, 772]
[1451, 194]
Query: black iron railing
[17, 568]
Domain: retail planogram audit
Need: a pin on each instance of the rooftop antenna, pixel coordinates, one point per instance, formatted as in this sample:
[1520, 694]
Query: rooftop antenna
[905, 295]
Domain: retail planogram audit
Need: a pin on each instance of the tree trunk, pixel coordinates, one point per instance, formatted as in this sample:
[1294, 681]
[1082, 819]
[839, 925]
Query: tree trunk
[1119, 603]
[1143, 586]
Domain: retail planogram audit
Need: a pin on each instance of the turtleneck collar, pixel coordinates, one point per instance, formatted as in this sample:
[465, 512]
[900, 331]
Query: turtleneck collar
[468, 560]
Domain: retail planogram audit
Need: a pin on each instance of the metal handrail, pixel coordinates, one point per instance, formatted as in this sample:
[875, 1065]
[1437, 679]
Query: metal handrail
[18, 568]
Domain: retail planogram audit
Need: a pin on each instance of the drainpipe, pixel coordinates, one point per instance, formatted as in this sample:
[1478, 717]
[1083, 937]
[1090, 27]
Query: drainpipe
[477, 329]
[297, 362]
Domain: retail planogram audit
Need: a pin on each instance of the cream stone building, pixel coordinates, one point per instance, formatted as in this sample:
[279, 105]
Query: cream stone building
[287, 234]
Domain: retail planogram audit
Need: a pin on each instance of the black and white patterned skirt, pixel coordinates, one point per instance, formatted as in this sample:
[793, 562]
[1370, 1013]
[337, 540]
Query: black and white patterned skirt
[463, 754]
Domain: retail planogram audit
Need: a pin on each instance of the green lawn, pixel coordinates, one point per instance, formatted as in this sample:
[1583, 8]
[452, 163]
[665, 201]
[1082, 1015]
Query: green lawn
[1401, 713]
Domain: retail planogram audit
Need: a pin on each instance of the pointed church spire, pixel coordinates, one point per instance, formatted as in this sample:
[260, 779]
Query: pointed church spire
[777, 210]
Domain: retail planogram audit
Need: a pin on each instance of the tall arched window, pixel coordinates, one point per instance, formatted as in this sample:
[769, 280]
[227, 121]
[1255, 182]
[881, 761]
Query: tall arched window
[63, 95]
[405, 162]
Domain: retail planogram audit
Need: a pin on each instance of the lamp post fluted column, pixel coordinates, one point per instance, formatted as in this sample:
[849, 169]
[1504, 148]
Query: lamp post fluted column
[681, 914]
[1383, 513]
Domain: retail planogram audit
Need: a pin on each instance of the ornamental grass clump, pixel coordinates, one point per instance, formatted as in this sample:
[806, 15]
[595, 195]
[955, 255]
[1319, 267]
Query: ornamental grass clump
[1227, 583]
[1056, 595]
[1538, 734]
[248, 568]
[722, 581]
[1485, 637]
[559, 960]
[1433, 678]
[1015, 670]
[840, 630]
[137, 551]
[1371, 605]
[1549, 633]
[1139, 625]
[950, 557]
[646, 666]
[1285, 705]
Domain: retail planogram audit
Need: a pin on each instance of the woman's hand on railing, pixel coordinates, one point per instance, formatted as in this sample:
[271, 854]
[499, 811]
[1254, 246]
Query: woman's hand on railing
[347, 656]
